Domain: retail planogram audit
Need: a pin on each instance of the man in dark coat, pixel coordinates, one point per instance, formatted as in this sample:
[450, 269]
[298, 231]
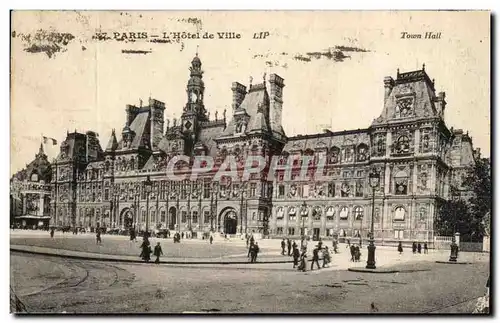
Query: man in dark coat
[315, 258]
[146, 249]
[283, 245]
[254, 250]
[211, 239]
[426, 249]
[419, 247]
[98, 237]
[158, 252]
[52, 233]
[400, 247]
[289, 246]
[296, 256]
[294, 245]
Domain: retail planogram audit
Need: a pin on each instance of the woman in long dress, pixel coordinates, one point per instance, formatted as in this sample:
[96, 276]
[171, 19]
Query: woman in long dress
[146, 249]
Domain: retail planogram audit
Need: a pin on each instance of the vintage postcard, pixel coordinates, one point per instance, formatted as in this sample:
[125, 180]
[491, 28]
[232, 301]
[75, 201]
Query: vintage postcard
[250, 162]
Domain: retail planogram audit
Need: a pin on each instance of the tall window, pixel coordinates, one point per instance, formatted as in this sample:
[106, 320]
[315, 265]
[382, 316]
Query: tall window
[291, 231]
[344, 213]
[153, 216]
[183, 216]
[253, 189]
[358, 213]
[331, 189]
[359, 189]
[143, 216]
[281, 191]
[206, 190]
[206, 217]
[399, 214]
[195, 216]
[163, 216]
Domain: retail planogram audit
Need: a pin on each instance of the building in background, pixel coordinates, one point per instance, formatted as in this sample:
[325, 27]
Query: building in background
[409, 144]
[30, 194]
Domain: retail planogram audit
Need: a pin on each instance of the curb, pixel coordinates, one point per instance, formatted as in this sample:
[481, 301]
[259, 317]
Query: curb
[152, 262]
[373, 271]
[454, 262]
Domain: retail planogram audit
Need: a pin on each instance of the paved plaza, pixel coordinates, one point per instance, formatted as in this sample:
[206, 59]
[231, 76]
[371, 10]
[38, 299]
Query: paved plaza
[227, 283]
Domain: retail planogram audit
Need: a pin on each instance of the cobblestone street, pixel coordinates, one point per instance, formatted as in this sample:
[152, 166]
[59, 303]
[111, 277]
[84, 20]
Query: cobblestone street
[56, 284]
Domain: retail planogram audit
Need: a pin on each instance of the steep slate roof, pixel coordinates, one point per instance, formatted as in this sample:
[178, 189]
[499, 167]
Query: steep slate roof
[138, 126]
[207, 136]
[415, 83]
[256, 105]
[40, 165]
[112, 143]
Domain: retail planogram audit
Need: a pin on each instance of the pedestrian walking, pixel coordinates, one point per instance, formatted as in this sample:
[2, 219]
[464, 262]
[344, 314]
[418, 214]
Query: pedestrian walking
[182, 235]
[289, 246]
[98, 237]
[426, 249]
[158, 252]
[357, 253]
[419, 247]
[146, 249]
[414, 247]
[400, 247]
[303, 260]
[352, 249]
[254, 250]
[326, 256]
[294, 245]
[211, 239]
[296, 256]
[52, 233]
[283, 245]
[335, 246]
[315, 258]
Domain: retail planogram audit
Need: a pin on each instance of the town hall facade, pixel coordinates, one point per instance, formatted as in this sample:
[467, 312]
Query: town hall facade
[418, 157]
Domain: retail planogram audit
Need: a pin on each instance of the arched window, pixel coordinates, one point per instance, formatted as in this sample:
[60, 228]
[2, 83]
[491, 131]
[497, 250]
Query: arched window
[34, 177]
[317, 211]
[334, 155]
[403, 144]
[344, 213]
[279, 213]
[358, 213]
[399, 213]
[362, 153]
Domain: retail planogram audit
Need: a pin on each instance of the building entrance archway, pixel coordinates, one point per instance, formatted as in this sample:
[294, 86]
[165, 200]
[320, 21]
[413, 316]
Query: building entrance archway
[228, 221]
[172, 218]
[127, 218]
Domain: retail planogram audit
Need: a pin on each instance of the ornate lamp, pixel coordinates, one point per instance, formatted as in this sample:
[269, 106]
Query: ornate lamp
[148, 186]
[373, 181]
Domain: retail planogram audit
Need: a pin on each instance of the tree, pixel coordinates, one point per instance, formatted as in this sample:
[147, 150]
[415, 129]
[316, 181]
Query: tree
[479, 181]
[454, 216]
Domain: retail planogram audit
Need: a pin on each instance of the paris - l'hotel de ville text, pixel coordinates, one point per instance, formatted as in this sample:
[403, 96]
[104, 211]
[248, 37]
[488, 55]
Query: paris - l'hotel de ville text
[419, 159]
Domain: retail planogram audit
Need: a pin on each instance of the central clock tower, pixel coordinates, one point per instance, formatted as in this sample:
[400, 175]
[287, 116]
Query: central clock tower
[194, 110]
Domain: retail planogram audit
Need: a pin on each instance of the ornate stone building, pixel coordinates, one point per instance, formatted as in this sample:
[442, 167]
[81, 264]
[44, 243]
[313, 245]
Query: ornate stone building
[30, 192]
[409, 144]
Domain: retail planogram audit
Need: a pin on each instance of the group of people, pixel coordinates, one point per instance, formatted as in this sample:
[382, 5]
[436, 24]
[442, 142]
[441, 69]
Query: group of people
[300, 257]
[146, 250]
[415, 247]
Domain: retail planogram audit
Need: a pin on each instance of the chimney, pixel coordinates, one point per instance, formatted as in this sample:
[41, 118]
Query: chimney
[239, 92]
[441, 103]
[276, 86]
[477, 153]
[132, 112]
[388, 86]
[157, 111]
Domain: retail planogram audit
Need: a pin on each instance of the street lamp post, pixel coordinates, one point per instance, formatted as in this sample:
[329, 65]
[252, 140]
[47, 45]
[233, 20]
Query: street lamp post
[374, 180]
[454, 246]
[148, 185]
[303, 212]
[242, 193]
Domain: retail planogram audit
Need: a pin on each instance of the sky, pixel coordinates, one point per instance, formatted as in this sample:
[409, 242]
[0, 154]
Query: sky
[63, 79]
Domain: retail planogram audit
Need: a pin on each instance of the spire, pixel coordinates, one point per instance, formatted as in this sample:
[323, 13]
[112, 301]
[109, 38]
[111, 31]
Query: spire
[423, 67]
[112, 143]
[40, 150]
